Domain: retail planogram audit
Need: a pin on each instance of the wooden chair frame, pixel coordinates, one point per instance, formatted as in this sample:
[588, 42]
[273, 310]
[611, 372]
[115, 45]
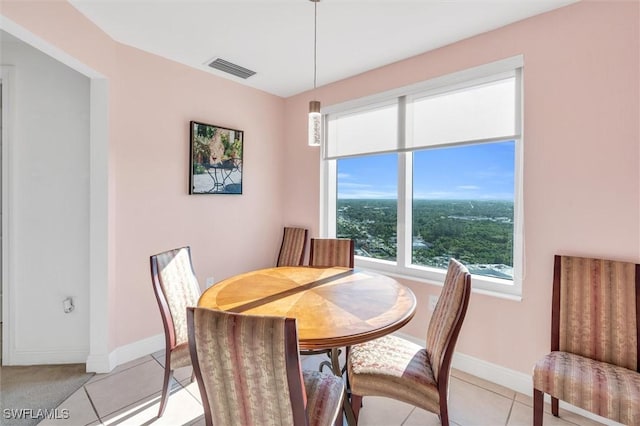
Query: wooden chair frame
[447, 356]
[168, 324]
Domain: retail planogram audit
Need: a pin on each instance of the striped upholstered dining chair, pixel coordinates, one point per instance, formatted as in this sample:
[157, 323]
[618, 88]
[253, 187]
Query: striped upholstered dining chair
[294, 242]
[176, 287]
[395, 368]
[249, 373]
[593, 362]
[331, 252]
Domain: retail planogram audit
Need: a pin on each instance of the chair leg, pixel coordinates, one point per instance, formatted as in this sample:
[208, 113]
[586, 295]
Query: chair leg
[555, 407]
[168, 374]
[538, 407]
[324, 364]
[444, 412]
[356, 403]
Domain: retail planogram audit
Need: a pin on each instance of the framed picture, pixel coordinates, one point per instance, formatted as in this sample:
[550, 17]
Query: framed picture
[215, 159]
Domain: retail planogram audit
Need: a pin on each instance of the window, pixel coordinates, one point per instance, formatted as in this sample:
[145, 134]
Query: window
[463, 207]
[429, 172]
[367, 206]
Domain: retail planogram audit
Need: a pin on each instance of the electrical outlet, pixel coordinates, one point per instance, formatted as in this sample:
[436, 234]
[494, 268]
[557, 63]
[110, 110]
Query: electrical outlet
[433, 301]
[210, 281]
[68, 305]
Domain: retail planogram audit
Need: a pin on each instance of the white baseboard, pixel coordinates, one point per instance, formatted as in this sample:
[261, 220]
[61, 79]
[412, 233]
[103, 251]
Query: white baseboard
[126, 353]
[101, 363]
[512, 379]
[515, 380]
[48, 357]
[139, 349]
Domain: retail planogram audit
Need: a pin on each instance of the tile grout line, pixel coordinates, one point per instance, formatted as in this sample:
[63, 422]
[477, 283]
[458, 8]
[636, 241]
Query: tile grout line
[178, 382]
[112, 374]
[130, 403]
[513, 401]
[187, 390]
[487, 389]
[408, 415]
[137, 402]
[479, 386]
[95, 410]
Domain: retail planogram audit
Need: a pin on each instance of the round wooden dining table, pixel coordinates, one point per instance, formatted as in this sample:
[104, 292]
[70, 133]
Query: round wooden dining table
[333, 307]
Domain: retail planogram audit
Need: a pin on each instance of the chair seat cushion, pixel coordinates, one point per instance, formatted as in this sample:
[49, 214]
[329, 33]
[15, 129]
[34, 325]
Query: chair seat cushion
[395, 368]
[324, 397]
[604, 389]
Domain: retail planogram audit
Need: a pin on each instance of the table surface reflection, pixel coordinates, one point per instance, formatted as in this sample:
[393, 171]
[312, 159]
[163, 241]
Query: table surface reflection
[334, 307]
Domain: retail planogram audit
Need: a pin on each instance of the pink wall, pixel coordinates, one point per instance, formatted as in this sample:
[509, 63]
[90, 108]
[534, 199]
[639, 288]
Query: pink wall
[228, 234]
[582, 185]
[151, 101]
[581, 157]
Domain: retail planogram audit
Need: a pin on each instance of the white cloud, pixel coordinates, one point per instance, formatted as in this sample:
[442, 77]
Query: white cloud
[368, 195]
[462, 195]
[350, 185]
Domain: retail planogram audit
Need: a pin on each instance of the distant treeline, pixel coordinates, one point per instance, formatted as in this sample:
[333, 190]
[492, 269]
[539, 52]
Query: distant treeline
[475, 232]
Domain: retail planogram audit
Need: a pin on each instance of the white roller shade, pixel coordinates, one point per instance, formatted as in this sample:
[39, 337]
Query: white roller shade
[480, 104]
[371, 130]
[482, 112]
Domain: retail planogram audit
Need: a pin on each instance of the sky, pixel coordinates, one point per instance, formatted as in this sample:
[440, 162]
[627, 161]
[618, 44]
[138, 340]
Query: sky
[473, 172]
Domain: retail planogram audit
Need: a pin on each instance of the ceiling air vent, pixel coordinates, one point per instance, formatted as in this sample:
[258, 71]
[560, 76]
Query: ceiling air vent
[228, 67]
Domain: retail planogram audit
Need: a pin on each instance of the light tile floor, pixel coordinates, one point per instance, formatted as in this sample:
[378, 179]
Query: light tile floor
[130, 396]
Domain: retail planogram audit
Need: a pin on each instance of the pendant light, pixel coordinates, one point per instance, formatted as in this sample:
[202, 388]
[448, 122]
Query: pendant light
[315, 118]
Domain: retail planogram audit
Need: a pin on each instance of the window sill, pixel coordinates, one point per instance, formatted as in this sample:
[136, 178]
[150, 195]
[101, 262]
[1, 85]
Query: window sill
[487, 286]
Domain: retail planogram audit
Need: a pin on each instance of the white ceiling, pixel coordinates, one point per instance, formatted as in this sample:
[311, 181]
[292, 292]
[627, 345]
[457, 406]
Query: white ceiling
[274, 38]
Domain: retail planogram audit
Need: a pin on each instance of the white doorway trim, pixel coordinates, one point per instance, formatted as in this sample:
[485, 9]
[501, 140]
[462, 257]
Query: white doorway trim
[6, 78]
[98, 359]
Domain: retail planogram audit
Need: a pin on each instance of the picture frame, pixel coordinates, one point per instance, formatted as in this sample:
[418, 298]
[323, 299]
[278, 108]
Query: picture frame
[215, 159]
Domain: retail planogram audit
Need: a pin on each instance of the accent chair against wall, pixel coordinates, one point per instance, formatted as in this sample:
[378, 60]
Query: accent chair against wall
[594, 340]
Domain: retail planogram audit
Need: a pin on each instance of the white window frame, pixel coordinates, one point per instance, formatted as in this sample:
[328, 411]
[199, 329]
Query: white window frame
[402, 267]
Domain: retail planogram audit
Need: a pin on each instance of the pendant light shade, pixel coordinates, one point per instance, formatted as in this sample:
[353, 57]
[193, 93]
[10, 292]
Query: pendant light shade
[315, 118]
[315, 123]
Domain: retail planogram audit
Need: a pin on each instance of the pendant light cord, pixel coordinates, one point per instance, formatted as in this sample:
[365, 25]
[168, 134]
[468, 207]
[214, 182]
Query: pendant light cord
[315, 41]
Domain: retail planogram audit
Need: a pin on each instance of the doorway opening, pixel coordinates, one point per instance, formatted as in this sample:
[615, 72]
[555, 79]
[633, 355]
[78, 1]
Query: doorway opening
[1, 221]
[98, 357]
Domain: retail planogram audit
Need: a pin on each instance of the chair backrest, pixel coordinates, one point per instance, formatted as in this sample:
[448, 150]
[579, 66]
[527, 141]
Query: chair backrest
[248, 368]
[447, 318]
[294, 242]
[176, 287]
[331, 252]
[595, 309]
